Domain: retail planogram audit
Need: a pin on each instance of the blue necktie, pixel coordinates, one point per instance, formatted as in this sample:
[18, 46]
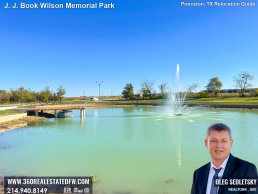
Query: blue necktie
[214, 188]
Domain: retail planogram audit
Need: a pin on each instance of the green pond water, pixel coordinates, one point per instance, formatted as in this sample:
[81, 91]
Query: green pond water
[132, 150]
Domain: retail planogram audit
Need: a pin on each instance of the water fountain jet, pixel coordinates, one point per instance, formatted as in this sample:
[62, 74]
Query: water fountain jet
[175, 102]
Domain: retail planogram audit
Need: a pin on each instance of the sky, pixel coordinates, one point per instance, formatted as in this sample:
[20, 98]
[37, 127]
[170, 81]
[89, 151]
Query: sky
[136, 41]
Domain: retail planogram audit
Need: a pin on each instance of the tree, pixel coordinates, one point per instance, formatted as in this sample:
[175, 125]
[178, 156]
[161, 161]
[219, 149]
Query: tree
[60, 93]
[243, 81]
[148, 88]
[214, 86]
[37, 96]
[14, 96]
[163, 88]
[21, 93]
[45, 95]
[255, 93]
[128, 92]
[54, 97]
[145, 93]
[28, 95]
[194, 86]
[191, 88]
[4, 97]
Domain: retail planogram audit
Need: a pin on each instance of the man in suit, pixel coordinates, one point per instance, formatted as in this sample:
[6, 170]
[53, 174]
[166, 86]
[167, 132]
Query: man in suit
[223, 164]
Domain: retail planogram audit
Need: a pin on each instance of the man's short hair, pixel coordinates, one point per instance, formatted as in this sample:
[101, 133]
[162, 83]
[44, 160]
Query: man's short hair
[219, 127]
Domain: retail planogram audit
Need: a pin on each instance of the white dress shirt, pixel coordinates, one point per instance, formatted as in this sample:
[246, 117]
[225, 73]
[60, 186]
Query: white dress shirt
[212, 173]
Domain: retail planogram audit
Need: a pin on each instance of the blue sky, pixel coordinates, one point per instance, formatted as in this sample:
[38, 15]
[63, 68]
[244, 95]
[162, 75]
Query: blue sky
[137, 41]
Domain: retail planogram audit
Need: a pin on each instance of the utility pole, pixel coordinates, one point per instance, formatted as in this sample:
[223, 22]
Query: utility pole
[99, 83]
[84, 99]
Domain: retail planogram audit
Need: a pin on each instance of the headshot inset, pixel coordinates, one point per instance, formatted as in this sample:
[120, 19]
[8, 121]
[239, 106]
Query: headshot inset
[223, 164]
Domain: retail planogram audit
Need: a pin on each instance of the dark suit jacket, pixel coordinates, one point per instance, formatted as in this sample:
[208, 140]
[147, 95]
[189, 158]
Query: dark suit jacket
[235, 168]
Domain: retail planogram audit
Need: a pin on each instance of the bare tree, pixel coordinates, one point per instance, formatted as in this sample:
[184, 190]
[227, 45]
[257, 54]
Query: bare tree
[192, 87]
[148, 88]
[243, 81]
[195, 86]
[163, 88]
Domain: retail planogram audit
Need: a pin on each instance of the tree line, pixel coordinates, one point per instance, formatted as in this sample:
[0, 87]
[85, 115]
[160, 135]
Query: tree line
[242, 82]
[147, 90]
[23, 95]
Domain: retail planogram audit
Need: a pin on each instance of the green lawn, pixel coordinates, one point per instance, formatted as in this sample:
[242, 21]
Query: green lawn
[8, 112]
[135, 101]
[231, 101]
[197, 101]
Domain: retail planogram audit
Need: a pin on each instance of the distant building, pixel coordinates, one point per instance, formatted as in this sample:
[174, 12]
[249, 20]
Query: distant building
[237, 90]
[94, 99]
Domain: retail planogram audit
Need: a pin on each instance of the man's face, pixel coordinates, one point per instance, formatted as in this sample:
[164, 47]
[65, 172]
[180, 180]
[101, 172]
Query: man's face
[219, 145]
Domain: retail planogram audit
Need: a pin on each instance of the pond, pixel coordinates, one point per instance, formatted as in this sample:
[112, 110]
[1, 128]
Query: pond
[130, 150]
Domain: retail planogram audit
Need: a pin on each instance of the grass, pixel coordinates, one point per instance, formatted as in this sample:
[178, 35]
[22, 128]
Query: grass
[211, 100]
[219, 101]
[8, 112]
[115, 101]
[231, 101]
[135, 101]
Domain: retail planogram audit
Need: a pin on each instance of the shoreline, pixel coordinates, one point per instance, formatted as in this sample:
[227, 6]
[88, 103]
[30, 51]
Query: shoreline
[24, 121]
[19, 123]
[139, 104]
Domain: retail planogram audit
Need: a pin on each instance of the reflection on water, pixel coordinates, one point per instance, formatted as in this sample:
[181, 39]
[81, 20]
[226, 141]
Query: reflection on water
[134, 150]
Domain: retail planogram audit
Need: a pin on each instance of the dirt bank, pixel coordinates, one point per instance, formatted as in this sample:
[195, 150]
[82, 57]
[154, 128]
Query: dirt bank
[22, 122]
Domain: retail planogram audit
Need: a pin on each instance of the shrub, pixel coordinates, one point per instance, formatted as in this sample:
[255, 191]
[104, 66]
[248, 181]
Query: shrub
[203, 94]
[255, 93]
